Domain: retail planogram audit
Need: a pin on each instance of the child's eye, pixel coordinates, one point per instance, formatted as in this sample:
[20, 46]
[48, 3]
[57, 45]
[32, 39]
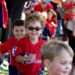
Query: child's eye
[63, 63]
[16, 30]
[21, 30]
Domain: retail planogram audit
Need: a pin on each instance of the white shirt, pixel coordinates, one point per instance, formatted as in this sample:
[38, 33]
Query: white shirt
[70, 25]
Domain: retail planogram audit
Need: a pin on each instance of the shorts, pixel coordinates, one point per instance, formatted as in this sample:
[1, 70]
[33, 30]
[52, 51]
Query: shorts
[13, 70]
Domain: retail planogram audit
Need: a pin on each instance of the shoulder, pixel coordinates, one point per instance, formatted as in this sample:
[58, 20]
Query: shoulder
[24, 39]
[54, 20]
[11, 39]
[41, 43]
[49, 5]
[38, 4]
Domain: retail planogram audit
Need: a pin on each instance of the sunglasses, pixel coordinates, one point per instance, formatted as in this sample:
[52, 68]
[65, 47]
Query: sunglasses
[34, 28]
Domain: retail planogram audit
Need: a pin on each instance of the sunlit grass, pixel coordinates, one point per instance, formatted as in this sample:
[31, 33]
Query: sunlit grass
[2, 72]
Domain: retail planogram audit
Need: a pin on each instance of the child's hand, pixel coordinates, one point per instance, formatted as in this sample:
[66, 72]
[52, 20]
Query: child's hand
[53, 24]
[30, 58]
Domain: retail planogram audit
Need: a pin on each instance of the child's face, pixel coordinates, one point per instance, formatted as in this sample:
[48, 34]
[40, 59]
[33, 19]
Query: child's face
[43, 4]
[19, 32]
[50, 15]
[61, 65]
[34, 29]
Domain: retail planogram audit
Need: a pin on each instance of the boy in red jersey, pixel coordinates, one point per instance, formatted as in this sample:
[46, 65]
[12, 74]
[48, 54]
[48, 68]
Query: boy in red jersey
[10, 45]
[57, 57]
[28, 51]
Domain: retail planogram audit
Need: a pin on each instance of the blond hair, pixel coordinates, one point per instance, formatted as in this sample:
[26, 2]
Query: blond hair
[53, 48]
[35, 16]
[53, 12]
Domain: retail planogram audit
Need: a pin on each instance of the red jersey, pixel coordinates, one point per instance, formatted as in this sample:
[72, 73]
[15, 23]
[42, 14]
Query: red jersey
[10, 46]
[27, 48]
[69, 6]
[51, 28]
[39, 8]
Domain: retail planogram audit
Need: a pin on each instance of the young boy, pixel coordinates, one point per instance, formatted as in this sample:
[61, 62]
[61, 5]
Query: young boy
[57, 58]
[28, 51]
[10, 45]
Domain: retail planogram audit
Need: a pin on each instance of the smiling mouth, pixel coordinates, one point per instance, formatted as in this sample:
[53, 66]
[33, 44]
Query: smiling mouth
[34, 33]
[66, 72]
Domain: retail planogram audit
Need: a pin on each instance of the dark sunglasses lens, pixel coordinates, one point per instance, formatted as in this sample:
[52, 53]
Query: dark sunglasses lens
[37, 29]
[32, 28]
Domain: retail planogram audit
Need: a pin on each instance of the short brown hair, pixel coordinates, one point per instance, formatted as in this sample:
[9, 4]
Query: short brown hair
[53, 48]
[35, 16]
[18, 22]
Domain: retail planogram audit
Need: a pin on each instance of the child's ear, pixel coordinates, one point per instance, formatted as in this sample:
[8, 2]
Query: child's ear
[46, 62]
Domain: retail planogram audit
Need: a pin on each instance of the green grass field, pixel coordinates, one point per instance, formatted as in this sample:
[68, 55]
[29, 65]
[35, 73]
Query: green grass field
[2, 72]
[4, 68]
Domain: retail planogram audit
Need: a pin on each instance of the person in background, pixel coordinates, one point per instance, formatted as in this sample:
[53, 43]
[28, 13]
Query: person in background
[69, 17]
[28, 51]
[57, 57]
[9, 46]
[51, 24]
[43, 6]
[58, 9]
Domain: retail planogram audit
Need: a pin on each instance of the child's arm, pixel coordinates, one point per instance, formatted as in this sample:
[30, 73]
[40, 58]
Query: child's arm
[54, 22]
[25, 59]
[20, 58]
[4, 47]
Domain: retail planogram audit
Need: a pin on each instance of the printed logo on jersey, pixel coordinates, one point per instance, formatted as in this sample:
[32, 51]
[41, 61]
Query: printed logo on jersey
[13, 50]
[27, 5]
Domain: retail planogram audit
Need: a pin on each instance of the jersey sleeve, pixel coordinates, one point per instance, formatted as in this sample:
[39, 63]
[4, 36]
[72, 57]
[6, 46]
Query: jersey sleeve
[36, 7]
[49, 6]
[4, 47]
